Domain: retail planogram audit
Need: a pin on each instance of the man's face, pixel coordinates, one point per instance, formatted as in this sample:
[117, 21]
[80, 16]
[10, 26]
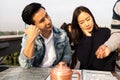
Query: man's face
[42, 20]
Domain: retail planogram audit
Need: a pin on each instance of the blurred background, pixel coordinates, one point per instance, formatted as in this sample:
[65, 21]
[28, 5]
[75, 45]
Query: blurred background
[59, 10]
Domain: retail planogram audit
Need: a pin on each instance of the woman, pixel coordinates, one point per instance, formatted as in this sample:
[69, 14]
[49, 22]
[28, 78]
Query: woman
[87, 37]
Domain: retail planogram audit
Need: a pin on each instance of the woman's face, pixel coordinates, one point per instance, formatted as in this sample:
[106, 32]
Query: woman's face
[85, 22]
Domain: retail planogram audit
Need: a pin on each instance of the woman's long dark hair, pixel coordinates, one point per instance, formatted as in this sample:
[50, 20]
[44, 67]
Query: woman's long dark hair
[77, 33]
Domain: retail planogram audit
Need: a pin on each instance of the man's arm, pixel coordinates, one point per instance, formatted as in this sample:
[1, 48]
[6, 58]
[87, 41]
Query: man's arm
[24, 61]
[113, 42]
[32, 32]
[27, 51]
[110, 45]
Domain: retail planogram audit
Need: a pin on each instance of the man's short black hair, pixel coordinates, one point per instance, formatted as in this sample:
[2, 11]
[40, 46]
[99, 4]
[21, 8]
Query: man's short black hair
[29, 11]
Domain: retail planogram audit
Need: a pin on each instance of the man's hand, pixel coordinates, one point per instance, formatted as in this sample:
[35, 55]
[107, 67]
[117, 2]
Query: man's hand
[102, 52]
[32, 32]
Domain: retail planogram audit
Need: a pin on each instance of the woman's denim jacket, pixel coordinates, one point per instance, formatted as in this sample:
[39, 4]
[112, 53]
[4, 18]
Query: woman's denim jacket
[62, 48]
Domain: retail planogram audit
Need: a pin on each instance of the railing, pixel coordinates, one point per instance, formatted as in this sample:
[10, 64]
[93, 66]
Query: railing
[9, 45]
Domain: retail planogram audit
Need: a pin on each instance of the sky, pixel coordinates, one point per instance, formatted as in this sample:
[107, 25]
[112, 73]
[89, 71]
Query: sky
[60, 11]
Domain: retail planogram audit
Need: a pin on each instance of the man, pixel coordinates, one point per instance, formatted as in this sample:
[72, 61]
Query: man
[42, 45]
[114, 41]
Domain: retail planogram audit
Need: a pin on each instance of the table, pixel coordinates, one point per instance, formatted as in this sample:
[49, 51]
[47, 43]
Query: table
[18, 73]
